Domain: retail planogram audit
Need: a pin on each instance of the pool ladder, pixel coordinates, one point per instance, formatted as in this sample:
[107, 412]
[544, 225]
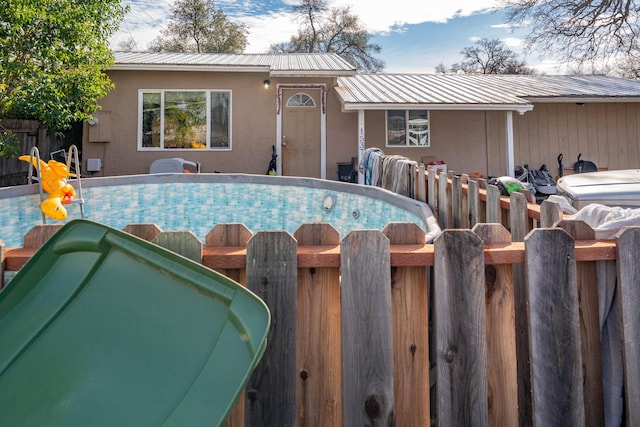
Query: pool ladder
[73, 165]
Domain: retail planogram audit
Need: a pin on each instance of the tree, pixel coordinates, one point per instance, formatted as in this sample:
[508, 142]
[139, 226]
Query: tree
[441, 68]
[196, 26]
[580, 30]
[490, 57]
[53, 54]
[128, 45]
[336, 30]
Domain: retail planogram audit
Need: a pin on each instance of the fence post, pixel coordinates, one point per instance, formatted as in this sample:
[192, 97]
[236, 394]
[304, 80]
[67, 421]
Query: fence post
[554, 324]
[410, 308]
[587, 280]
[628, 247]
[367, 358]
[460, 329]
[319, 353]
[501, 333]
[272, 275]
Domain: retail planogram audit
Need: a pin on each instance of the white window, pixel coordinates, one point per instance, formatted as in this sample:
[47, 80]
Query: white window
[184, 120]
[407, 128]
[301, 100]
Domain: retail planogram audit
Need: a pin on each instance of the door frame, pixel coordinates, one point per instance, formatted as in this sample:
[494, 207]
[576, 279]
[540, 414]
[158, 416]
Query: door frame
[323, 122]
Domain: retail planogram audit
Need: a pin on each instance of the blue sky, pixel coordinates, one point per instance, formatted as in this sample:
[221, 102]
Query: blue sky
[415, 35]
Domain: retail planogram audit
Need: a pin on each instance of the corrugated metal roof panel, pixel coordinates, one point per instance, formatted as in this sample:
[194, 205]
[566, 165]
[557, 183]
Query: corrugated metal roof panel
[493, 91]
[302, 63]
[420, 89]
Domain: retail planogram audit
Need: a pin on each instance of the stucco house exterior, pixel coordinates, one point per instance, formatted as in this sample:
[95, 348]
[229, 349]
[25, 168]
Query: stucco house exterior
[228, 111]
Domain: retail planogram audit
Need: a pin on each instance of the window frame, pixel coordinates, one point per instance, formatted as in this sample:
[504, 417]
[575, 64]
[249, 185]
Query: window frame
[161, 92]
[407, 142]
[299, 95]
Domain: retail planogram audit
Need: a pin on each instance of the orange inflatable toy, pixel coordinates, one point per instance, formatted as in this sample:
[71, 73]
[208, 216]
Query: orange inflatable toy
[54, 181]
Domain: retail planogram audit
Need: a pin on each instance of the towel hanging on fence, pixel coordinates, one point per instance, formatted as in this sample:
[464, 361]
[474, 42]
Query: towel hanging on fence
[370, 165]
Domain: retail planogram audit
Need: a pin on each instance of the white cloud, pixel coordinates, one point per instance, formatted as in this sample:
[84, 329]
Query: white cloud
[513, 42]
[148, 17]
[382, 16]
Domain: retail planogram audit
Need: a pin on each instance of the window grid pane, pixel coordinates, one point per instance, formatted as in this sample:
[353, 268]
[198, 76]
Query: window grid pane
[408, 128]
[151, 119]
[220, 113]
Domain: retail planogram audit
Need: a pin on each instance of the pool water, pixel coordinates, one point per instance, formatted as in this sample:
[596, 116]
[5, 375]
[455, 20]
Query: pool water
[199, 206]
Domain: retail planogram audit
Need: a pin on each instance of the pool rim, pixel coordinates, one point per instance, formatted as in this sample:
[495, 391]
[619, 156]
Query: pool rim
[418, 208]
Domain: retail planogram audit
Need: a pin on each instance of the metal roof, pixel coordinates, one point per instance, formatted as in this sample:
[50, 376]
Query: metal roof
[477, 91]
[288, 64]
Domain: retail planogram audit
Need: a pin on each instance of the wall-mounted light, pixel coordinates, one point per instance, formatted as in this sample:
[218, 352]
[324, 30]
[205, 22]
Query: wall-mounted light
[266, 84]
[93, 121]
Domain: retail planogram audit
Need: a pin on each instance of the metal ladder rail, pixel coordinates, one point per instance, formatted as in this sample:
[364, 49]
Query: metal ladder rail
[35, 154]
[72, 157]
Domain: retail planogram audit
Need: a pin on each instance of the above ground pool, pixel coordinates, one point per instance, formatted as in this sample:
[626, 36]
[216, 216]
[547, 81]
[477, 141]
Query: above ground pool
[198, 202]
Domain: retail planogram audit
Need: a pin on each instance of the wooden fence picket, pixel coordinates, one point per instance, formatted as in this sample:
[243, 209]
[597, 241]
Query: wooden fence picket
[501, 333]
[367, 357]
[494, 214]
[628, 247]
[473, 196]
[184, 243]
[233, 234]
[422, 187]
[554, 326]
[456, 201]
[2, 263]
[146, 231]
[272, 275]
[520, 226]
[587, 281]
[432, 192]
[410, 303]
[224, 235]
[319, 355]
[444, 201]
[460, 329]
[464, 202]
[39, 234]
[550, 213]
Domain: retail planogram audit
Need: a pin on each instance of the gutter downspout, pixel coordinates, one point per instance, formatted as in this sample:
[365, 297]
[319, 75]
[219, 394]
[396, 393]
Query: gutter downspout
[510, 144]
[361, 144]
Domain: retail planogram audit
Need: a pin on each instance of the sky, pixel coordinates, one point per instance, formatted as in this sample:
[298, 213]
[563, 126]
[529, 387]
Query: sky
[415, 35]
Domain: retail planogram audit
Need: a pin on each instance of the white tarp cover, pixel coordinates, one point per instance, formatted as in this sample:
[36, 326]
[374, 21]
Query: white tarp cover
[607, 221]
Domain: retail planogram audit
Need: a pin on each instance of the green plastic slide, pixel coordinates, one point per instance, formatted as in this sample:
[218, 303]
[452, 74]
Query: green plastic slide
[101, 328]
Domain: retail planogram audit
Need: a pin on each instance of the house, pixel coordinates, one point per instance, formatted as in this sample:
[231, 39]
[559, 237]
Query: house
[228, 111]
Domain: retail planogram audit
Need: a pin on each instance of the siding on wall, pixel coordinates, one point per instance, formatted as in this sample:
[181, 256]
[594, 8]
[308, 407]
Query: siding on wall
[605, 133]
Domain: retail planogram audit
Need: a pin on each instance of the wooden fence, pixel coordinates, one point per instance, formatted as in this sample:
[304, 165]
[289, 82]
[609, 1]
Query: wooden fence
[30, 134]
[508, 329]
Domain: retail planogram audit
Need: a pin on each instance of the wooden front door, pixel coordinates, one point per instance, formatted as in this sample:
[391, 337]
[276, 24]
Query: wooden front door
[301, 155]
